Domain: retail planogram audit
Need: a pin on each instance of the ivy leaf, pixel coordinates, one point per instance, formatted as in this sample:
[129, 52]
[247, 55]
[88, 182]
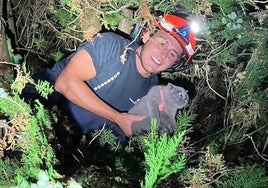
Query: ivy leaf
[223, 20]
[239, 20]
[74, 184]
[232, 15]
[9, 46]
[3, 94]
[43, 177]
[17, 58]
[234, 27]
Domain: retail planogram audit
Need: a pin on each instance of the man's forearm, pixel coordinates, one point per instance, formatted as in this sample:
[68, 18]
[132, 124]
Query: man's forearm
[80, 94]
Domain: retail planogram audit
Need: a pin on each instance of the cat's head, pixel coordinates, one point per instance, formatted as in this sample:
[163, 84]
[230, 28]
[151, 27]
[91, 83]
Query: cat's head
[176, 96]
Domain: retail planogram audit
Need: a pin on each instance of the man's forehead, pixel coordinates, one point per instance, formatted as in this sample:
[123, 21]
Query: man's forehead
[166, 35]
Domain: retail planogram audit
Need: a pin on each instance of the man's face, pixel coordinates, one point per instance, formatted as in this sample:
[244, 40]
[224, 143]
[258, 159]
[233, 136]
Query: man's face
[160, 52]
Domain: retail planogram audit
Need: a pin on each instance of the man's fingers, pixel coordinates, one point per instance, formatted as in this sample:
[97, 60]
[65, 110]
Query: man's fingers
[139, 118]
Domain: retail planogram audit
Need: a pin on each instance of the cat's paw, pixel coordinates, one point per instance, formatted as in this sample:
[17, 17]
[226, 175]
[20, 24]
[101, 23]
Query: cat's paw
[162, 130]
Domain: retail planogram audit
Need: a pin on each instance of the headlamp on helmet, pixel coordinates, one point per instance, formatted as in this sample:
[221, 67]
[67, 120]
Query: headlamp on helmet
[183, 32]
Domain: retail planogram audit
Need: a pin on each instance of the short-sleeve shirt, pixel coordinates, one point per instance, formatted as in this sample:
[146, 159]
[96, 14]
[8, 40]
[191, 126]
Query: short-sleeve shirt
[117, 82]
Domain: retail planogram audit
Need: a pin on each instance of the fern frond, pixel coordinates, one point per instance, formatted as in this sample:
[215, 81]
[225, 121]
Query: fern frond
[161, 155]
[44, 88]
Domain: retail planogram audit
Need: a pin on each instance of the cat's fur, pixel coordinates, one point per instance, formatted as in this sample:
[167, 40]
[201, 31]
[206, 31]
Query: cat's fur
[161, 105]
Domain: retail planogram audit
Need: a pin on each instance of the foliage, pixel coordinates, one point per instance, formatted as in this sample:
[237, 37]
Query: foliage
[14, 58]
[209, 168]
[44, 88]
[22, 78]
[229, 72]
[64, 24]
[3, 94]
[161, 155]
[57, 56]
[226, 6]
[106, 137]
[44, 182]
[14, 107]
[25, 134]
[247, 177]
[7, 171]
[232, 63]
[251, 88]
[31, 141]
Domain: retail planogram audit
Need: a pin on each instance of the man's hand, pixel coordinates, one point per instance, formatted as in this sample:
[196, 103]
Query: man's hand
[125, 120]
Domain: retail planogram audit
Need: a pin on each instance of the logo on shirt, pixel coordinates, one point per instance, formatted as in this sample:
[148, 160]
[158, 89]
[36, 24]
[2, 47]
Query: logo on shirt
[107, 81]
[134, 101]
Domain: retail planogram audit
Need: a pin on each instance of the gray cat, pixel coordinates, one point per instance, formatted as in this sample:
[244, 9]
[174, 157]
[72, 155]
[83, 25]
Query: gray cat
[161, 103]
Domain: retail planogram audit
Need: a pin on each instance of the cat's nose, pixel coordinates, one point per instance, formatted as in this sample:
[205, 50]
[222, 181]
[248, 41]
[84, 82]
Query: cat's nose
[186, 97]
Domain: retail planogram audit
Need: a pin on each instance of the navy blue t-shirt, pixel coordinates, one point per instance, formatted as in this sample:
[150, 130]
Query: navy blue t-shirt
[117, 83]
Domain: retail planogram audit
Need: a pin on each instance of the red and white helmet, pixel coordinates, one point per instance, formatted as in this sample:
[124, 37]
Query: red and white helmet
[180, 29]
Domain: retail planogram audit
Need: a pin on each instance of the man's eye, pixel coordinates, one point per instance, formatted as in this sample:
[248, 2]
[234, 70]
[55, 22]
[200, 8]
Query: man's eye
[173, 54]
[162, 41]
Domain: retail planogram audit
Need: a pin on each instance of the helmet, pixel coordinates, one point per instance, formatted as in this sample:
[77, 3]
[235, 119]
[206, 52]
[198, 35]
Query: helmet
[180, 29]
[178, 26]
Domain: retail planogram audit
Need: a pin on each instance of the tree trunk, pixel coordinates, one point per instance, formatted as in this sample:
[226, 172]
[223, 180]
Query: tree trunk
[5, 69]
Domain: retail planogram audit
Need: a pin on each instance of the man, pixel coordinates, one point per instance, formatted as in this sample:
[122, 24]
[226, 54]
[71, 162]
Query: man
[99, 89]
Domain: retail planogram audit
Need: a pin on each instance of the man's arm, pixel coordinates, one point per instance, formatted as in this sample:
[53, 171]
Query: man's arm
[70, 83]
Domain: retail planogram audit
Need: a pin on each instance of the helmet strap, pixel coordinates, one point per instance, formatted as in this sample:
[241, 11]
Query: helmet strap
[140, 58]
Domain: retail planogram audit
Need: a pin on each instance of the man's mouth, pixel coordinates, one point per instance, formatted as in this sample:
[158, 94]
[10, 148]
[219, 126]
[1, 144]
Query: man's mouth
[156, 60]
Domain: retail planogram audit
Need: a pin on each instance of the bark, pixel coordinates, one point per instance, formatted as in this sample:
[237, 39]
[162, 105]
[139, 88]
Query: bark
[5, 69]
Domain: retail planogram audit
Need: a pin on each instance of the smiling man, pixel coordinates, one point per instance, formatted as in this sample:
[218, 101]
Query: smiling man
[95, 88]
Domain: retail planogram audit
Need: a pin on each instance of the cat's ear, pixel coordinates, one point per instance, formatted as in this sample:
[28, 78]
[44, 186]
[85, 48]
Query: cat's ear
[170, 86]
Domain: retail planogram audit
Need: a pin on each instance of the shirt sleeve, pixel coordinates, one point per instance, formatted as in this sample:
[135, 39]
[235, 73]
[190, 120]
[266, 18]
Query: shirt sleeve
[105, 50]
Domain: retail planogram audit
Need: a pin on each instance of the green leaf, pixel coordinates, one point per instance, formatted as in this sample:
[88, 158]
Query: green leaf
[3, 94]
[17, 58]
[42, 176]
[232, 15]
[223, 20]
[239, 20]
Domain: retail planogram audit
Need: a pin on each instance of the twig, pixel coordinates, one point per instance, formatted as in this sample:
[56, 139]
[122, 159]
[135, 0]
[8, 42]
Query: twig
[92, 7]
[62, 32]
[206, 63]
[31, 50]
[229, 92]
[256, 149]
[139, 32]
[261, 2]
[81, 153]
[24, 27]
[116, 10]
[99, 133]
[265, 145]
[8, 63]
[210, 87]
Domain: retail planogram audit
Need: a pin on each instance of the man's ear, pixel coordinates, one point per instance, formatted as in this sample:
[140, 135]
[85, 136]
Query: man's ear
[146, 36]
